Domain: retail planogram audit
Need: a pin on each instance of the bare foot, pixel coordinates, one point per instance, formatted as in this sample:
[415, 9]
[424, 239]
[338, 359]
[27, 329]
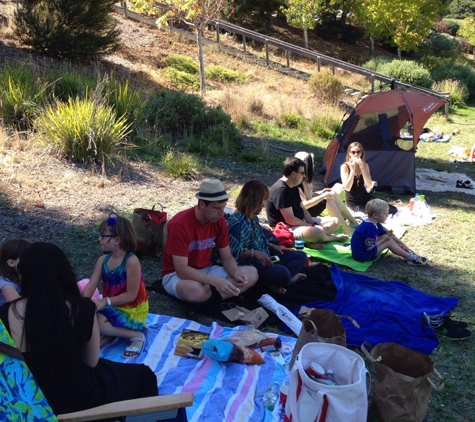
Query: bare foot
[298, 277]
[338, 237]
[314, 245]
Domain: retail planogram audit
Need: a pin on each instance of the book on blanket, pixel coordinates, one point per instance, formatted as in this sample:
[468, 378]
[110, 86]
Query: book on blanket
[190, 342]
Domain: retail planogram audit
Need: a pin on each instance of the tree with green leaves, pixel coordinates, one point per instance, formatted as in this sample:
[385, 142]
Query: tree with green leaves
[405, 23]
[302, 14]
[68, 29]
[253, 14]
[467, 29]
[198, 14]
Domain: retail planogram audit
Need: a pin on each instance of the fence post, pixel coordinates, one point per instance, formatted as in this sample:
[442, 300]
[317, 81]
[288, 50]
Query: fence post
[217, 33]
[126, 12]
[244, 42]
[170, 24]
[287, 53]
[267, 52]
[318, 63]
[372, 82]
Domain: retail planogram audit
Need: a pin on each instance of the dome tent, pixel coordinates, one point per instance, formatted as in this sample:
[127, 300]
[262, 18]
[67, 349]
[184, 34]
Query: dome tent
[377, 122]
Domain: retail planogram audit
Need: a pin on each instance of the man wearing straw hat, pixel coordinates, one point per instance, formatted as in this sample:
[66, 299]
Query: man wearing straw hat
[192, 234]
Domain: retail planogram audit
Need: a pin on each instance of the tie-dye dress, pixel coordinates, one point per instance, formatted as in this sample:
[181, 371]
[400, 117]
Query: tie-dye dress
[130, 315]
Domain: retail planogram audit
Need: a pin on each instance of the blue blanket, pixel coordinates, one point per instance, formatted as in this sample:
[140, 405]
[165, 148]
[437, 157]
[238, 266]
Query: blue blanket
[387, 311]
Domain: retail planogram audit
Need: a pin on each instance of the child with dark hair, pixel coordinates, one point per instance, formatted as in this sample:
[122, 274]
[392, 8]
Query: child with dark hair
[57, 331]
[9, 258]
[123, 308]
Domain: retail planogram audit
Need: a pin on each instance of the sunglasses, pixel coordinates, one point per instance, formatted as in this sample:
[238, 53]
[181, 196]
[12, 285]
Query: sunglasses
[102, 236]
[355, 152]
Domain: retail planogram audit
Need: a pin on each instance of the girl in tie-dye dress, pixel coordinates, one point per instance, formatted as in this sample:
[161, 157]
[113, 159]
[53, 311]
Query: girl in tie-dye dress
[123, 308]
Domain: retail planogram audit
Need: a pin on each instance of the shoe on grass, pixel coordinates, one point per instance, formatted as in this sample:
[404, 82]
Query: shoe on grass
[453, 332]
[436, 321]
[417, 260]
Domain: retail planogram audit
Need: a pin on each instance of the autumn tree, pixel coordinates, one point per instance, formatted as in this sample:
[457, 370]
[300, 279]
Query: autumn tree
[405, 23]
[302, 14]
[68, 29]
[198, 14]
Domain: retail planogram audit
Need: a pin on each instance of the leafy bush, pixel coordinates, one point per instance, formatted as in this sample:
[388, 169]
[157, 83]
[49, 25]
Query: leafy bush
[182, 115]
[21, 96]
[291, 121]
[79, 31]
[453, 26]
[183, 63]
[182, 80]
[458, 92]
[326, 86]
[407, 71]
[461, 9]
[71, 84]
[223, 74]
[181, 165]
[465, 74]
[84, 130]
[376, 63]
[324, 126]
[440, 50]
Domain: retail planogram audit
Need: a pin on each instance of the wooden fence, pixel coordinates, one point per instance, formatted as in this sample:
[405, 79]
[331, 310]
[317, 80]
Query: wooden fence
[288, 49]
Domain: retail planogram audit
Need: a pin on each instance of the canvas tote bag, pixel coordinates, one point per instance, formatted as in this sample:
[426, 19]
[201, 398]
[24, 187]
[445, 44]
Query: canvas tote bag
[403, 382]
[151, 230]
[309, 400]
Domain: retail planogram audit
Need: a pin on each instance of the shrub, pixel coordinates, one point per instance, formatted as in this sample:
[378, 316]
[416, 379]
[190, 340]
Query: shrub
[324, 126]
[182, 80]
[291, 121]
[21, 96]
[465, 74]
[377, 62]
[183, 165]
[327, 86]
[223, 74]
[126, 102]
[79, 31]
[71, 84]
[458, 92]
[84, 130]
[182, 63]
[182, 115]
[407, 71]
[453, 26]
[442, 45]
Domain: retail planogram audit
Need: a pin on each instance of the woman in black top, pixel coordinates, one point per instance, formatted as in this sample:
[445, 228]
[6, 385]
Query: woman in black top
[56, 330]
[356, 180]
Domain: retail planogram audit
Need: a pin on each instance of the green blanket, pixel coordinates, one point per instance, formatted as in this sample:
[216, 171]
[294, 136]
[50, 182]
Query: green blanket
[340, 253]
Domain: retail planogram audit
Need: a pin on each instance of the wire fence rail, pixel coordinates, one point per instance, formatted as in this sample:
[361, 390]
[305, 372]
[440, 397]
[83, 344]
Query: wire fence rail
[287, 48]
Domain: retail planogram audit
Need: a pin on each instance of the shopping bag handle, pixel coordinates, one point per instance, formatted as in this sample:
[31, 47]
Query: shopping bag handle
[364, 349]
[351, 319]
[158, 203]
[438, 384]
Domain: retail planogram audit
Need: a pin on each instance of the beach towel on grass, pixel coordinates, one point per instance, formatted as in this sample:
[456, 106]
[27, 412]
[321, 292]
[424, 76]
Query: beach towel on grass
[223, 391]
[387, 311]
[340, 253]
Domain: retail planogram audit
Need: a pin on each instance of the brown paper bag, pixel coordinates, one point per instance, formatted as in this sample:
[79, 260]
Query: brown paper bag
[320, 325]
[243, 315]
[403, 382]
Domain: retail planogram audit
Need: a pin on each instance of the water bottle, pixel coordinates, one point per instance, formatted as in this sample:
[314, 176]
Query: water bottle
[329, 375]
[271, 396]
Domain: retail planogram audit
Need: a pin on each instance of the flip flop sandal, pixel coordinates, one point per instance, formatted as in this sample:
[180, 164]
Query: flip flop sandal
[459, 184]
[467, 184]
[133, 351]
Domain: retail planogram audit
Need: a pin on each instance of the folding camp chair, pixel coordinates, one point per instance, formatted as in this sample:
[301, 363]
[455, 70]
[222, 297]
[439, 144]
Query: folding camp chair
[22, 399]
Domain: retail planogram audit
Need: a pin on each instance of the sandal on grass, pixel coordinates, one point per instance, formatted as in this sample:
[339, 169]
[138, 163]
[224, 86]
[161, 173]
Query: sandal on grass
[133, 351]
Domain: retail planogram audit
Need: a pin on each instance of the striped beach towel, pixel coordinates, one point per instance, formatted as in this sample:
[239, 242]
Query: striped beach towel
[223, 391]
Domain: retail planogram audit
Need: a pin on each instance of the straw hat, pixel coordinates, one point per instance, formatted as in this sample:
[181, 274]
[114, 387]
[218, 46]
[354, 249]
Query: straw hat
[212, 190]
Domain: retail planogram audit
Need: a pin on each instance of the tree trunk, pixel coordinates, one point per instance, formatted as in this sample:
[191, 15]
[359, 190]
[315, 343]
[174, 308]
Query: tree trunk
[371, 44]
[201, 61]
[305, 38]
[399, 54]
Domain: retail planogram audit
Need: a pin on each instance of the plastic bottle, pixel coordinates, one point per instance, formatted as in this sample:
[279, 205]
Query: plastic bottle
[271, 396]
[329, 375]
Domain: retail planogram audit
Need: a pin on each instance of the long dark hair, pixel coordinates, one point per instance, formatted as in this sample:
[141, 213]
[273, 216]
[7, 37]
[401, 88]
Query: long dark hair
[250, 199]
[49, 285]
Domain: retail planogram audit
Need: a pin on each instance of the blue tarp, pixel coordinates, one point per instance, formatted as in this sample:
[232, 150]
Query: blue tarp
[387, 311]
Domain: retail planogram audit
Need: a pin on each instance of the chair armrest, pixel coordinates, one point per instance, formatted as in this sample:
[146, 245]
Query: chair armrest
[130, 407]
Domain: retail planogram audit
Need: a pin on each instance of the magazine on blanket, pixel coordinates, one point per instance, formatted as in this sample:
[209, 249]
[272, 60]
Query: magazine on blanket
[190, 342]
